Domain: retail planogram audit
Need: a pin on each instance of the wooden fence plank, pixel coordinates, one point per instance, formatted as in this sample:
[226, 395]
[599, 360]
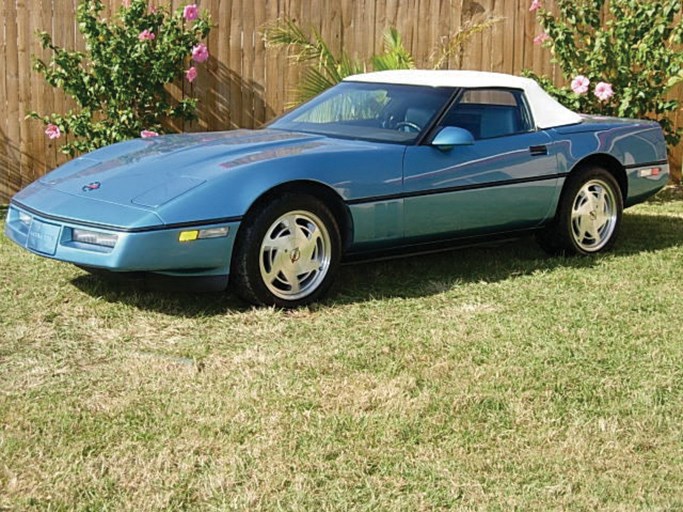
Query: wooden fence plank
[275, 65]
[258, 75]
[14, 178]
[27, 142]
[44, 93]
[236, 63]
[247, 64]
[222, 73]
[7, 160]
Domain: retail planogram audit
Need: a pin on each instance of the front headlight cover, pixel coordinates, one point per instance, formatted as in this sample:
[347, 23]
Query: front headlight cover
[84, 236]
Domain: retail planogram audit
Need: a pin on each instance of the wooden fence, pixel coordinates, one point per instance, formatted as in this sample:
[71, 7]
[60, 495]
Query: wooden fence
[243, 84]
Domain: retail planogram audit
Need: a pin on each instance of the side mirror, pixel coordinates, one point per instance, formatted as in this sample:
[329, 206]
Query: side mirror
[452, 136]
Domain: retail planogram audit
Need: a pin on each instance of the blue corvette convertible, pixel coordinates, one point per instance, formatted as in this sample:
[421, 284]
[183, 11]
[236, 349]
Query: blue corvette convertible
[387, 161]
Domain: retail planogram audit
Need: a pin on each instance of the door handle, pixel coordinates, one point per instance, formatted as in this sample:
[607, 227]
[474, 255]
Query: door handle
[541, 150]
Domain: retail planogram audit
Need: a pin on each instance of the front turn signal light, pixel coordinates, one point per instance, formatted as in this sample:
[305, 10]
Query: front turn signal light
[188, 236]
[201, 234]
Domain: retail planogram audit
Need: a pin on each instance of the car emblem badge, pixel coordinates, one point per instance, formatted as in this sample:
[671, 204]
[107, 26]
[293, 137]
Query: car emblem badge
[91, 186]
[296, 254]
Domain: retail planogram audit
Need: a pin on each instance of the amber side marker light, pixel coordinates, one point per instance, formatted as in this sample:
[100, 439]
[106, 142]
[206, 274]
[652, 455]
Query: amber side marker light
[201, 234]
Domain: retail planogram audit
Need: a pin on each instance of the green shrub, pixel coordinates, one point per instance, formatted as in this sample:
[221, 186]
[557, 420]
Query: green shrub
[627, 51]
[118, 83]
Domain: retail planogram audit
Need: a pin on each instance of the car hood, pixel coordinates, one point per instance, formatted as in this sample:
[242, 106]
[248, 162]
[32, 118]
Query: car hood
[148, 173]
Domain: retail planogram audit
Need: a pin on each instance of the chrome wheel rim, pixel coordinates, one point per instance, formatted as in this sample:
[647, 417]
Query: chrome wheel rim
[594, 215]
[295, 255]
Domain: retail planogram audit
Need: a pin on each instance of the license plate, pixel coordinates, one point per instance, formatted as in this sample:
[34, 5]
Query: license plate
[43, 237]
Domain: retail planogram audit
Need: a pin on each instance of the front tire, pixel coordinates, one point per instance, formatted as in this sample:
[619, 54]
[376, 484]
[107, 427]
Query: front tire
[588, 215]
[287, 253]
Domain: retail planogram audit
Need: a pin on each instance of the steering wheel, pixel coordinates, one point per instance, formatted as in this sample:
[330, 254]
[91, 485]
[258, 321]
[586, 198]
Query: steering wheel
[409, 125]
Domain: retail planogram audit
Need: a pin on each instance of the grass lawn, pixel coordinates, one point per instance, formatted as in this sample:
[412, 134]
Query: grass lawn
[489, 378]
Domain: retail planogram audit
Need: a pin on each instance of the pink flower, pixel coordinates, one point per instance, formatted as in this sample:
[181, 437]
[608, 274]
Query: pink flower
[541, 38]
[200, 53]
[52, 131]
[146, 134]
[191, 12]
[191, 74]
[603, 91]
[535, 5]
[580, 84]
[147, 35]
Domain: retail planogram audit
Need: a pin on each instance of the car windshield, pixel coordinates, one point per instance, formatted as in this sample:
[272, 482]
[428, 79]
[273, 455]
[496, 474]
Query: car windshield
[368, 111]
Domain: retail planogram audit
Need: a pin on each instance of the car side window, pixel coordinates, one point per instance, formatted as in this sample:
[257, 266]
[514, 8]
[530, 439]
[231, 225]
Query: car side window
[489, 113]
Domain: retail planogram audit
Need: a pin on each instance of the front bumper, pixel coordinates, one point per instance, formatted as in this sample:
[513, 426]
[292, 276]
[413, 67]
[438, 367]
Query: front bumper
[157, 250]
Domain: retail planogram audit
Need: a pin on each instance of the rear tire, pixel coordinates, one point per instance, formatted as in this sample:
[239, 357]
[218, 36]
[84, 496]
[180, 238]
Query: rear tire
[588, 216]
[287, 253]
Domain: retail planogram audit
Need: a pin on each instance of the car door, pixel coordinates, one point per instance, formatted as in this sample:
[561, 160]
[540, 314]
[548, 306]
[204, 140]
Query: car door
[505, 180]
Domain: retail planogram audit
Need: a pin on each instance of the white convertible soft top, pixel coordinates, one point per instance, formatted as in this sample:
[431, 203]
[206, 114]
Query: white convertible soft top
[546, 110]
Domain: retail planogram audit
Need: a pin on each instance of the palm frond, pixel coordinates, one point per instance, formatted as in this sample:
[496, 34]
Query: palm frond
[313, 82]
[328, 68]
[675, 80]
[284, 32]
[347, 67]
[454, 44]
[395, 55]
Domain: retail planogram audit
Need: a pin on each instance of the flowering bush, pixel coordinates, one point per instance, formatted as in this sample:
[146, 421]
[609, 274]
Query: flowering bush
[119, 82]
[617, 56]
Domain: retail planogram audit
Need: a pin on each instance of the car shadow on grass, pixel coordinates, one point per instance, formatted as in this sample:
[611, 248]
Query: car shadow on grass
[407, 277]
[429, 274]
